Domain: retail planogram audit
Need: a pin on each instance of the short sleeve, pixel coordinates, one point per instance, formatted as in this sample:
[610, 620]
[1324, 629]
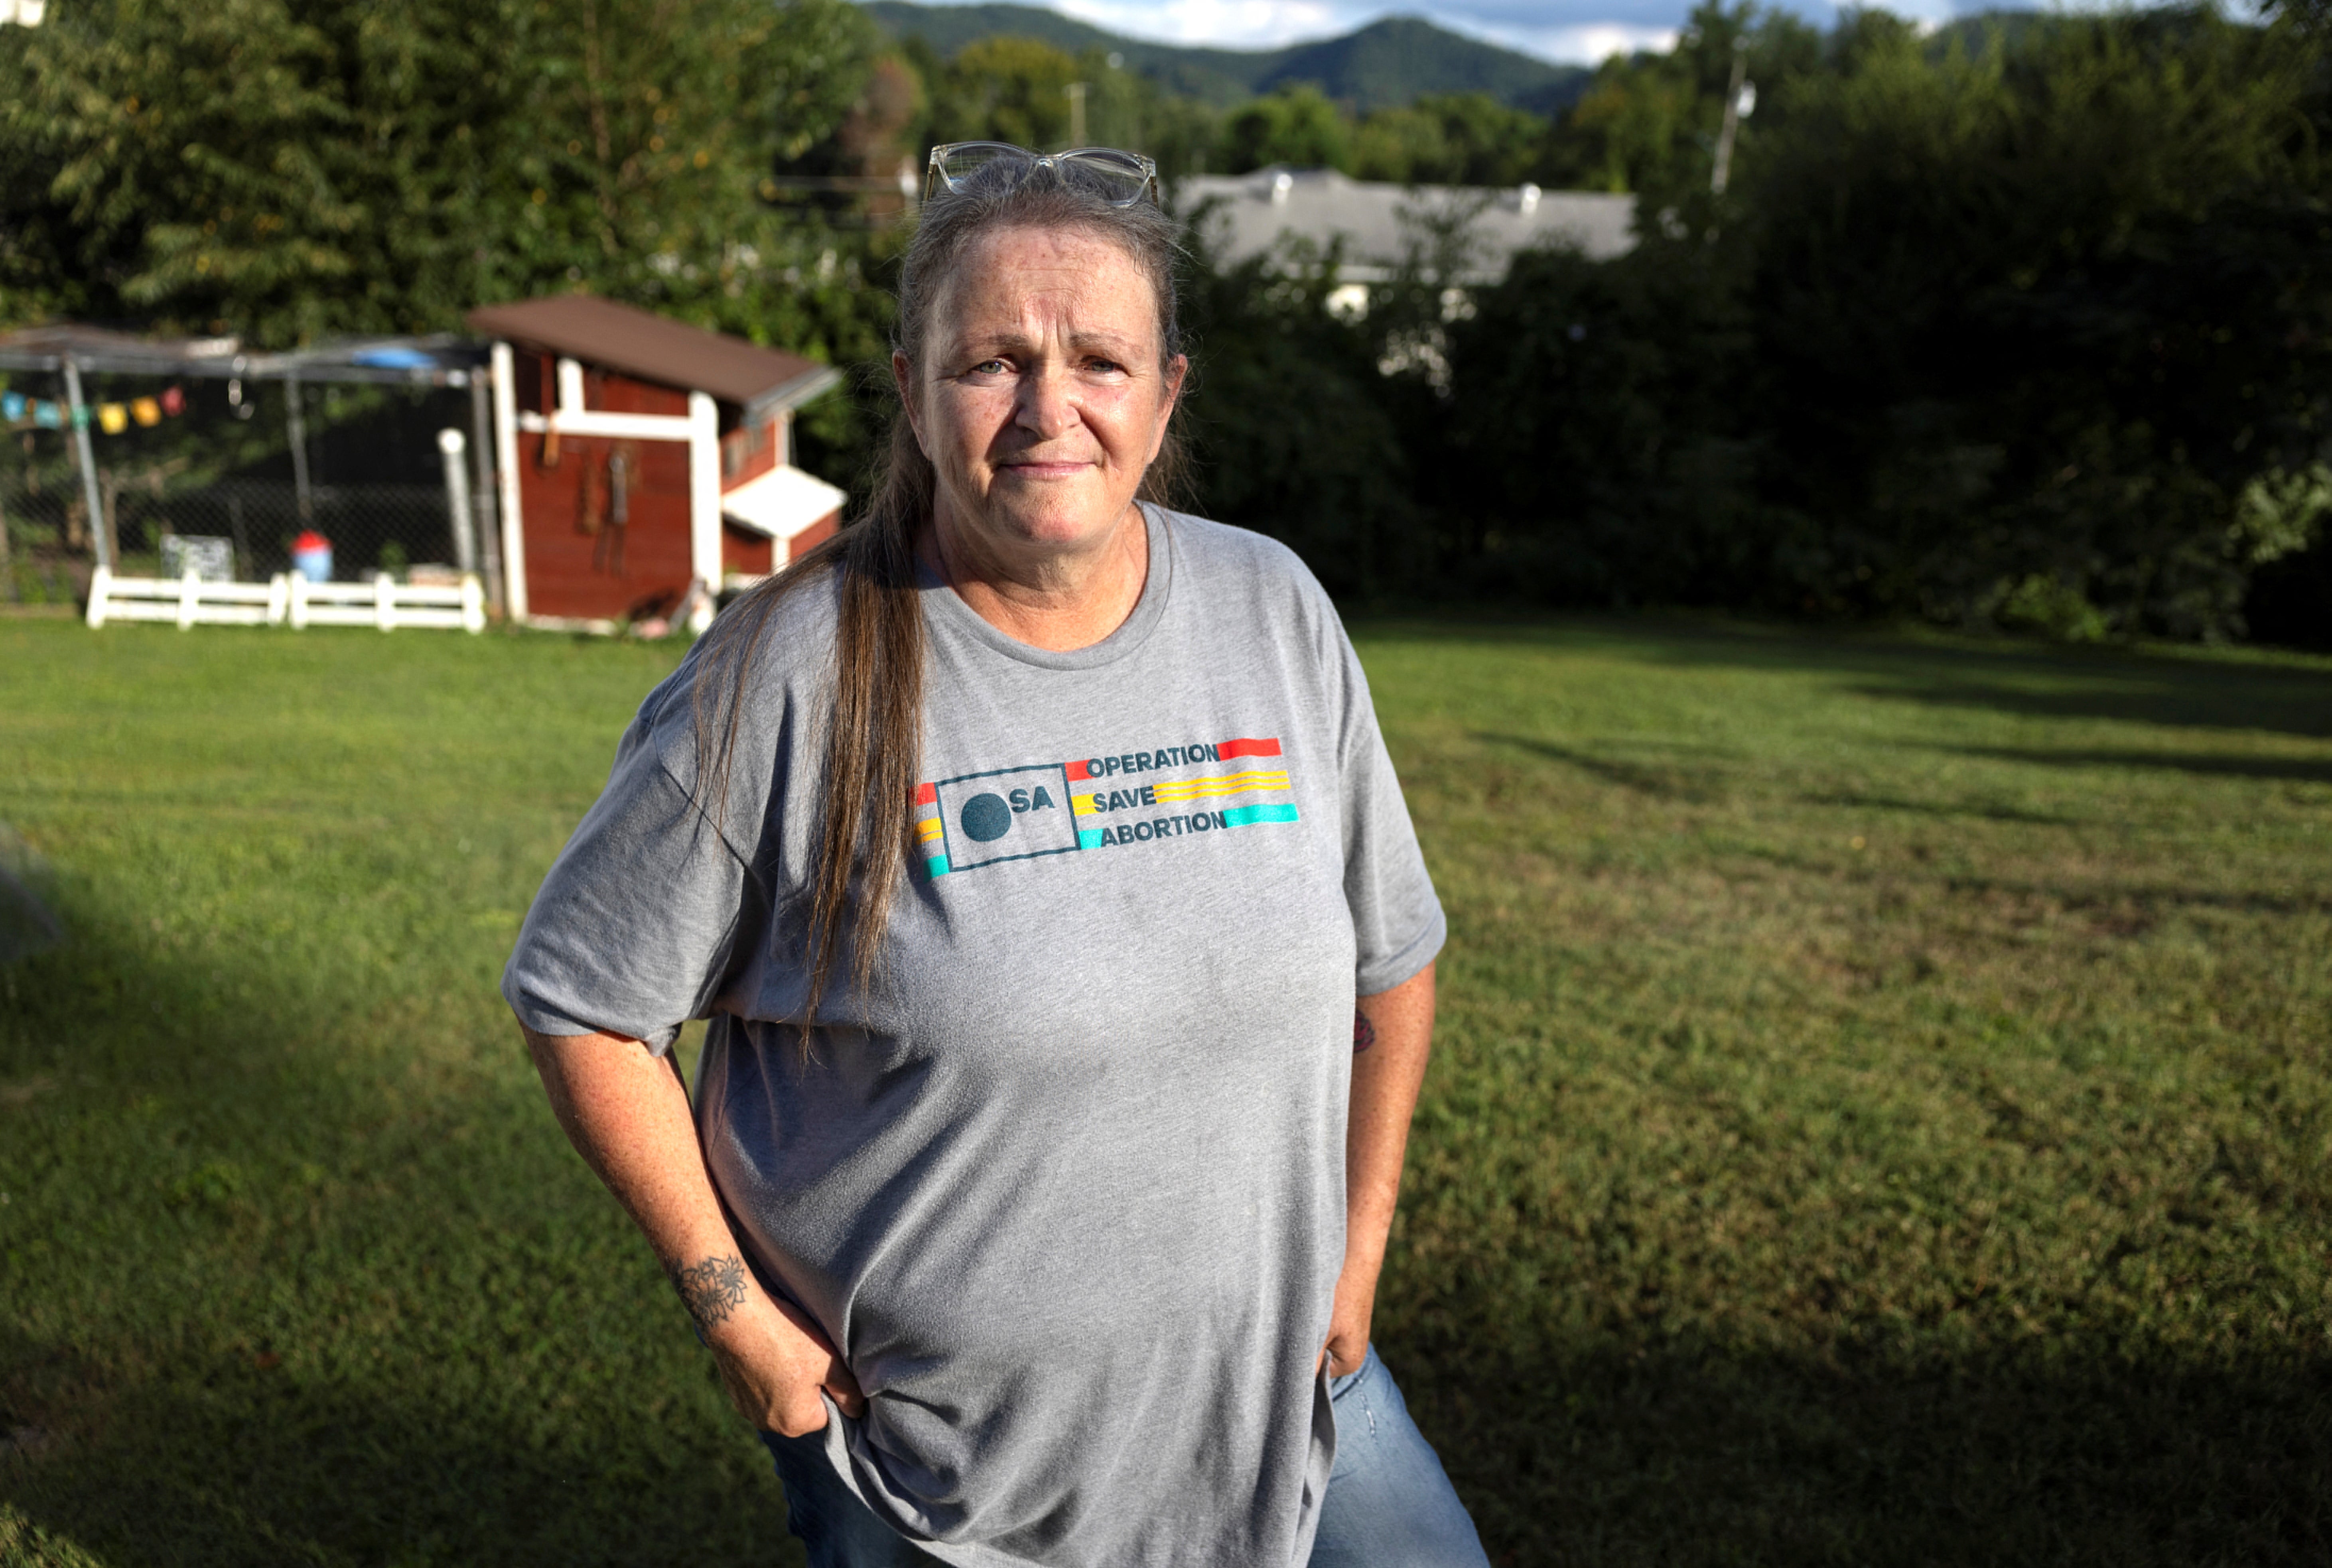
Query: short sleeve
[633, 929]
[1397, 919]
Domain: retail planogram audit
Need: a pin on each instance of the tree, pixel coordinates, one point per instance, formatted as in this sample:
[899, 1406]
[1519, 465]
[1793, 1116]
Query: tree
[1297, 125]
[1450, 139]
[1648, 122]
[352, 167]
[1011, 90]
[2038, 335]
[2031, 324]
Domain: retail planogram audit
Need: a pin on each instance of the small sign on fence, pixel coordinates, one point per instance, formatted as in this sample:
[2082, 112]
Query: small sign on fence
[206, 555]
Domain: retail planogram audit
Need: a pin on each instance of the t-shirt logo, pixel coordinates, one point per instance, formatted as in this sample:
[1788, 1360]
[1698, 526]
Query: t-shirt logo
[1003, 814]
[985, 818]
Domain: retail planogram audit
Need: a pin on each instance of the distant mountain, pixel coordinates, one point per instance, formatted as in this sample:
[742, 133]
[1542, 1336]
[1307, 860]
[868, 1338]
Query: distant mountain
[1394, 62]
[1973, 33]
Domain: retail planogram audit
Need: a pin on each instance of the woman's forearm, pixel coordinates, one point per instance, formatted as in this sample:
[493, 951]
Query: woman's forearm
[1392, 1036]
[625, 1110]
[626, 1113]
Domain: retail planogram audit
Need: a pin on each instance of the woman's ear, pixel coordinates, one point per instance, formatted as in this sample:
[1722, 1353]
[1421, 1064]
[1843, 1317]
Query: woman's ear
[903, 373]
[1178, 369]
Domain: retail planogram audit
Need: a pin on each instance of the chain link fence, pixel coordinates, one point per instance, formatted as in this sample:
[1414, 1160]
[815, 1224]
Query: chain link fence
[267, 468]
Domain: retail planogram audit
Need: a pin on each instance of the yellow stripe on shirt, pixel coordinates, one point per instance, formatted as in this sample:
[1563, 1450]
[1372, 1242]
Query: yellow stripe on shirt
[1224, 784]
[1181, 789]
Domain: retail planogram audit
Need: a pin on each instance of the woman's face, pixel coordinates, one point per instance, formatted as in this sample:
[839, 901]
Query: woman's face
[1040, 399]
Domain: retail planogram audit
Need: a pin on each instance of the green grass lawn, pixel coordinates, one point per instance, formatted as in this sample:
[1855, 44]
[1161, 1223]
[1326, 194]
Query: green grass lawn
[1883, 1111]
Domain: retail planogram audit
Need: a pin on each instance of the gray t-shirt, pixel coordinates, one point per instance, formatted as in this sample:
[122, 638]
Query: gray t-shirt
[1066, 1185]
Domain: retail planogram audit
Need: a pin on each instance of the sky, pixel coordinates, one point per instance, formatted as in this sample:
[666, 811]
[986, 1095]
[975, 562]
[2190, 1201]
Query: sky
[1581, 31]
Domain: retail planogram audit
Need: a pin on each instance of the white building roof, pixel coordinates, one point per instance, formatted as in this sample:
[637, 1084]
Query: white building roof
[1253, 210]
[781, 502]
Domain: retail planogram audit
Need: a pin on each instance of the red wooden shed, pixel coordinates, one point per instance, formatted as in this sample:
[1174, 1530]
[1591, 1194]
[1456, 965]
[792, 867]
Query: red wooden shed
[640, 457]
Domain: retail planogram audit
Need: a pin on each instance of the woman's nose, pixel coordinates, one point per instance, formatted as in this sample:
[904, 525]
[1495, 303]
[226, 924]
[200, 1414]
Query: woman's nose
[1047, 409]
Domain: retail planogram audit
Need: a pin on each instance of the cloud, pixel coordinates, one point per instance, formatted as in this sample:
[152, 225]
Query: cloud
[1579, 31]
[1221, 23]
[1583, 31]
[1579, 43]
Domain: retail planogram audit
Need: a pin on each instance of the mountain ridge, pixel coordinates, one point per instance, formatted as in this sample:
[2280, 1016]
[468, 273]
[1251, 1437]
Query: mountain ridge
[1391, 62]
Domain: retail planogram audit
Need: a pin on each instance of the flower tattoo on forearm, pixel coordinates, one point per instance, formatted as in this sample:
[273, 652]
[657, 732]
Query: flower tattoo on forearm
[710, 1289]
[1364, 1033]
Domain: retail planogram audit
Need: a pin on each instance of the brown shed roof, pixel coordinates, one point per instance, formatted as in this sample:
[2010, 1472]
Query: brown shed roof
[656, 349]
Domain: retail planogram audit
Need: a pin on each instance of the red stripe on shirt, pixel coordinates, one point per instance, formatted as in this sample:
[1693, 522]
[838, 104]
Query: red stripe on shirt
[1230, 748]
[927, 794]
[1078, 770]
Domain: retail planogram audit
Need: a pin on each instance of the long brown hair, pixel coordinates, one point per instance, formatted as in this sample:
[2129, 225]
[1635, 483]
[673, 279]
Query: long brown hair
[873, 739]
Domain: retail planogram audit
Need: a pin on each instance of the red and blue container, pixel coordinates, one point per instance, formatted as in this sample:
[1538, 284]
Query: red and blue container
[312, 556]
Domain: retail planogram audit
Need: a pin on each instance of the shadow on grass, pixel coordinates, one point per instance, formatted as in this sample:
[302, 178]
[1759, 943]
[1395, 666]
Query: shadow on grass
[2202, 696]
[2110, 897]
[1676, 1455]
[222, 1462]
[1990, 811]
[2141, 685]
[1661, 783]
[2293, 769]
[206, 1167]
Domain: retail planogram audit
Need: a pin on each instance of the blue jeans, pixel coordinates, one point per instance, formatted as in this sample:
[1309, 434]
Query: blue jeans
[1389, 1504]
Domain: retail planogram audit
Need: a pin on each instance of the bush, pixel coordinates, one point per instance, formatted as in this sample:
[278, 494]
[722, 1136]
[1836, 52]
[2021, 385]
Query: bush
[2040, 337]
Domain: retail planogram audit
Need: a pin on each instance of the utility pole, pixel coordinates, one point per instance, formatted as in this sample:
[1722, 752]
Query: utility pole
[295, 434]
[1077, 92]
[102, 546]
[1740, 102]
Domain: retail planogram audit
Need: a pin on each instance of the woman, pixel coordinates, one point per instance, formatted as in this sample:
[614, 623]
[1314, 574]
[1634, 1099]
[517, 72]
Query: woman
[1034, 855]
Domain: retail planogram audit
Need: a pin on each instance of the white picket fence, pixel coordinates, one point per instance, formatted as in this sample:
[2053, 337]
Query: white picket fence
[287, 600]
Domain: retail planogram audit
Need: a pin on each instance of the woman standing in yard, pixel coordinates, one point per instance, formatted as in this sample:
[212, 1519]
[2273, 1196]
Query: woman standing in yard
[1033, 852]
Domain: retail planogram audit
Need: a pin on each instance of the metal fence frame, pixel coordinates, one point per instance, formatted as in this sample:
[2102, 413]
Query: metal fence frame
[469, 494]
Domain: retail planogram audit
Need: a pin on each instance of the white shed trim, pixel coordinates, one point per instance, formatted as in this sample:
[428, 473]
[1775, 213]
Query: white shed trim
[506, 475]
[781, 502]
[703, 501]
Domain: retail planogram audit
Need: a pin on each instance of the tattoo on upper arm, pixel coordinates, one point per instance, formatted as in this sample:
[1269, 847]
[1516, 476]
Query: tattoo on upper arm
[710, 1289]
[1364, 1033]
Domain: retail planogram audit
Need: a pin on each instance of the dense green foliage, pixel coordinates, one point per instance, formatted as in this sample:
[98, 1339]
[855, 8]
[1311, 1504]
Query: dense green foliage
[2038, 336]
[290, 174]
[287, 173]
[1015, 90]
[1881, 1112]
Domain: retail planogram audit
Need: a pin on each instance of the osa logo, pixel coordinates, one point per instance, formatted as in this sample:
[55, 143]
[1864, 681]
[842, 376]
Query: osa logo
[1007, 814]
[988, 816]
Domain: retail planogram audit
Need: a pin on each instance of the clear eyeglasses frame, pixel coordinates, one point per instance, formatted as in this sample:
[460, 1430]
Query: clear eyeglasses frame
[1122, 178]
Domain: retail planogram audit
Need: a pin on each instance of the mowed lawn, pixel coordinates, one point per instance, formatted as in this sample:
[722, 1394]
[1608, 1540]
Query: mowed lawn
[1883, 1111]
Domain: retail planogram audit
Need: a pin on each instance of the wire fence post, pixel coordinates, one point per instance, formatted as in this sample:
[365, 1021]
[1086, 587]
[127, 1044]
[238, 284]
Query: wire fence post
[485, 499]
[452, 445]
[295, 430]
[240, 535]
[7, 566]
[82, 453]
